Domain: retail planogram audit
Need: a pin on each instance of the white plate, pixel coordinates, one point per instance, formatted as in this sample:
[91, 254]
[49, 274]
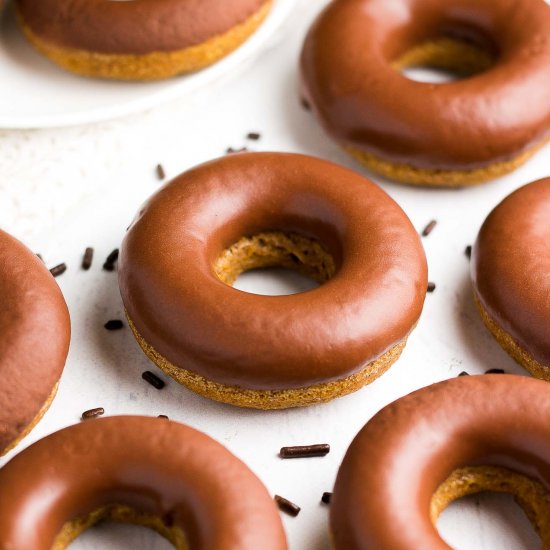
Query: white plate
[37, 94]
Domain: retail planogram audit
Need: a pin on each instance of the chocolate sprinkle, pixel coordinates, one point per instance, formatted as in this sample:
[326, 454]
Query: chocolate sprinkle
[163, 416]
[495, 371]
[254, 136]
[305, 451]
[161, 174]
[114, 324]
[305, 104]
[110, 262]
[231, 151]
[87, 258]
[40, 257]
[286, 506]
[58, 270]
[431, 287]
[153, 379]
[429, 228]
[326, 498]
[93, 413]
[468, 251]
[463, 373]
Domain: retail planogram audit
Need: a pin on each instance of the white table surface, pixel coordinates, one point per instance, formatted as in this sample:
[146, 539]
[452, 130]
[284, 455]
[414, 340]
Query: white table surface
[63, 190]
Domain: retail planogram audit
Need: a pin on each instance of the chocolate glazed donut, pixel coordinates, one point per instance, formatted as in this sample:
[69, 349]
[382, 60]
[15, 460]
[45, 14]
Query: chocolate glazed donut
[451, 134]
[34, 340]
[194, 237]
[511, 276]
[138, 40]
[147, 471]
[452, 439]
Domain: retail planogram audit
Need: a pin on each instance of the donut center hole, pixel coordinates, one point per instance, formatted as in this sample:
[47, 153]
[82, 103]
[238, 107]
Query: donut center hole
[119, 526]
[441, 60]
[275, 263]
[486, 494]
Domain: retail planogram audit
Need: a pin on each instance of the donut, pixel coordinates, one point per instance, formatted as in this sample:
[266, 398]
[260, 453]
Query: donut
[510, 272]
[436, 445]
[452, 134]
[138, 40]
[146, 471]
[194, 237]
[34, 340]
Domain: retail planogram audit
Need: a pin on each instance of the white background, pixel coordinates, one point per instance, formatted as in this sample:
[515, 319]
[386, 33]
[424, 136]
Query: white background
[63, 190]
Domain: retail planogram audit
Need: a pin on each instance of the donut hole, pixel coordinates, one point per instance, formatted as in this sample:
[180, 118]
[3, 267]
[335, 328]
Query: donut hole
[297, 253]
[444, 59]
[121, 514]
[530, 495]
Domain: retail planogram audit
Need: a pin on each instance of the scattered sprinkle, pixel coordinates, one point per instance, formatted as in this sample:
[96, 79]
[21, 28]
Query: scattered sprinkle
[231, 151]
[111, 260]
[468, 251]
[495, 371]
[326, 498]
[40, 257]
[161, 174]
[463, 373]
[254, 136]
[163, 416]
[58, 270]
[93, 413]
[305, 451]
[114, 324]
[286, 506]
[87, 258]
[305, 104]
[431, 287]
[153, 379]
[429, 228]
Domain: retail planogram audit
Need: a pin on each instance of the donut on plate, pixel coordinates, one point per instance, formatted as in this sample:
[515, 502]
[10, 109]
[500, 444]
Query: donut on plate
[436, 445]
[141, 39]
[131, 469]
[511, 276]
[193, 238]
[34, 340]
[452, 134]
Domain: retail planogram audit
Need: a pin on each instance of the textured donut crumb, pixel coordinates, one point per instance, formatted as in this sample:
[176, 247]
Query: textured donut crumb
[33, 423]
[120, 514]
[152, 66]
[293, 251]
[531, 495]
[271, 399]
[520, 355]
[462, 58]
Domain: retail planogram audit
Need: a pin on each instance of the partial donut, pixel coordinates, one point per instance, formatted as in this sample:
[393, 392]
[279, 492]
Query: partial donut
[146, 471]
[511, 276]
[193, 238]
[138, 40]
[452, 134]
[438, 444]
[34, 340]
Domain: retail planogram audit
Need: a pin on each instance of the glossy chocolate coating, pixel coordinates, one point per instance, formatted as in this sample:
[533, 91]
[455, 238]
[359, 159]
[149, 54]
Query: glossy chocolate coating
[137, 27]
[34, 337]
[383, 490]
[366, 104]
[153, 465]
[190, 317]
[511, 267]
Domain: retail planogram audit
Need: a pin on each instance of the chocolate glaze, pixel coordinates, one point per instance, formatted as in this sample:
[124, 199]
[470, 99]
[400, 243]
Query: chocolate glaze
[382, 495]
[154, 465]
[189, 316]
[364, 103]
[34, 337]
[137, 27]
[511, 267]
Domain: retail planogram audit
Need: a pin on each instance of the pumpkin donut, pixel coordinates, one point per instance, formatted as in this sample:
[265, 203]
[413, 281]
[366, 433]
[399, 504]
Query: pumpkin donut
[34, 340]
[145, 471]
[511, 276]
[452, 134]
[193, 238]
[138, 40]
[438, 444]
